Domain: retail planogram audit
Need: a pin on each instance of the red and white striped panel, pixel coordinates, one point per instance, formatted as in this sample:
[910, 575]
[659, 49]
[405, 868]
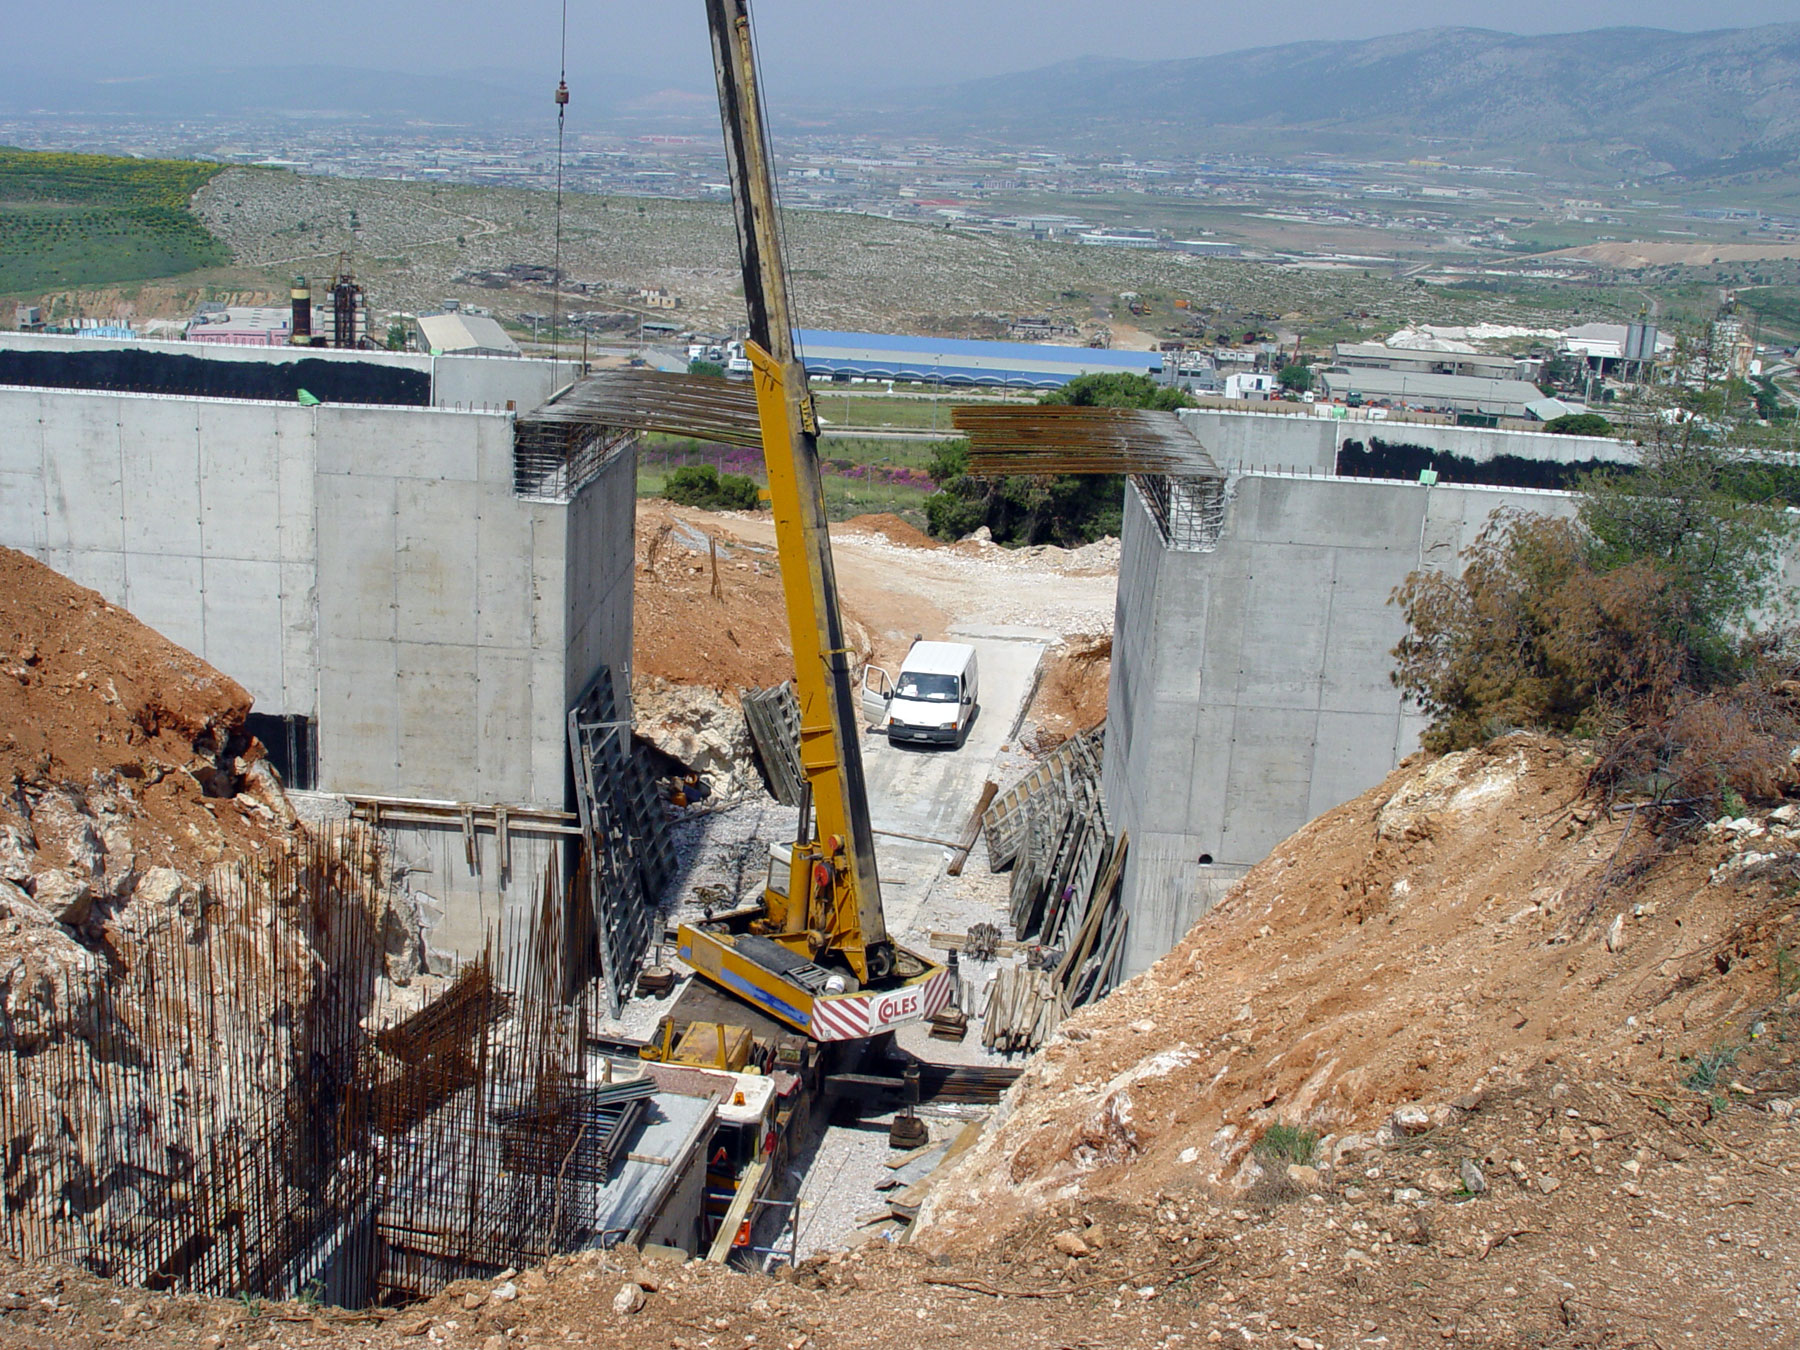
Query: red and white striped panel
[840, 1019]
[851, 1016]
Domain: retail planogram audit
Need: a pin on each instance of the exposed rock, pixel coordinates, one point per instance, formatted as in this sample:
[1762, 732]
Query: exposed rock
[159, 888]
[64, 894]
[628, 1300]
[703, 730]
[1069, 1243]
[61, 823]
[17, 849]
[1473, 1179]
[403, 939]
[45, 984]
[1411, 1119]
[21, 909]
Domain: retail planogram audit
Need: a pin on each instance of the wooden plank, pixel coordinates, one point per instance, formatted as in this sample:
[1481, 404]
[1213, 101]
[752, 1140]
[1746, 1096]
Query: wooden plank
[748, 1187]
[973, 829]
[956, 942]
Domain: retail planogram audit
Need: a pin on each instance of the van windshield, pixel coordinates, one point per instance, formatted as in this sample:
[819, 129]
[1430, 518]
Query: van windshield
[939, 688]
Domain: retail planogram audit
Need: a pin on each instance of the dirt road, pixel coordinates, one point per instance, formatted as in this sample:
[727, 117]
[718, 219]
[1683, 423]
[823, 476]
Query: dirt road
[898, 589]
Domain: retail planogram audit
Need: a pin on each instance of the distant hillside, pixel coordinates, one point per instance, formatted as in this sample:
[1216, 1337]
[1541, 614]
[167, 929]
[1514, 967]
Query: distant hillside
[91, 220]
[1622, 100]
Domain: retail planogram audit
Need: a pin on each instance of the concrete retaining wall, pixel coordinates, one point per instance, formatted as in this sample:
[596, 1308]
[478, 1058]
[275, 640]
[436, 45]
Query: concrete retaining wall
[1250, 687]
[196, 515]
[370, 567]
[456, 381]
[1290, 442]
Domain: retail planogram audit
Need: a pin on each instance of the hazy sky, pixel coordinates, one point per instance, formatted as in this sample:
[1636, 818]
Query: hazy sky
[830, 42]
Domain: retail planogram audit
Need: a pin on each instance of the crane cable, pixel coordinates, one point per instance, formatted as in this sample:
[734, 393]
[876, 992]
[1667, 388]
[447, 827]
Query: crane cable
[562, 107]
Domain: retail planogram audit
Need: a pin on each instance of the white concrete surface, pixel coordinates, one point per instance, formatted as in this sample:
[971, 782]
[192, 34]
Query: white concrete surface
[366, 566]
[1250, 688]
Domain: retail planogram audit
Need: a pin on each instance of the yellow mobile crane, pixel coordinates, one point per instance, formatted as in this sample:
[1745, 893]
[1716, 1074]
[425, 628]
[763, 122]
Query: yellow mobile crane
[816, 952]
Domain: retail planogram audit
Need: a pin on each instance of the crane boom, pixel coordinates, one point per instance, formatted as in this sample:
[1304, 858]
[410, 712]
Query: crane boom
[830, 753]
[816, 952]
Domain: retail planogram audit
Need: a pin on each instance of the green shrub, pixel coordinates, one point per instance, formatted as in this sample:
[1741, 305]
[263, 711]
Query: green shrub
[1296, 377]
[1286, 1144]
[703, 486]
[1708, 1068]
[1580, 424]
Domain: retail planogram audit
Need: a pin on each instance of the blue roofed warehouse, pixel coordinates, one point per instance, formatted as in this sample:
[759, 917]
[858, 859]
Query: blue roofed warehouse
[962, 361]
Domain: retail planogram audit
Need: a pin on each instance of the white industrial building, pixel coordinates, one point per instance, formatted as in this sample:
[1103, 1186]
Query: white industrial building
[1426, 361]
[1438, 393]
[463, 334]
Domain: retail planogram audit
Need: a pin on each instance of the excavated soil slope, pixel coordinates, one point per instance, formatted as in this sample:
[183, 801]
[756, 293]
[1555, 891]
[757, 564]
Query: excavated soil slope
[1553, 1077]
[123, 758]
[1467, 923]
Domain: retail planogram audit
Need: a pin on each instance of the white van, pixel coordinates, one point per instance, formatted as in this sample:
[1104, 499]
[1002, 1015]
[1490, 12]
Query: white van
[933, 699]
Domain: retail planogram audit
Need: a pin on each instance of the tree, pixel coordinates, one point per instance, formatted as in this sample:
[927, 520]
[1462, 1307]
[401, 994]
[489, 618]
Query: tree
[1066, 509]
[699, 367]
[1580, 424]
[1530, 634]
[1636, 621]
[949, 459]
[399, 336]
[1713, 530]
[1296, 377]
[1117, 391]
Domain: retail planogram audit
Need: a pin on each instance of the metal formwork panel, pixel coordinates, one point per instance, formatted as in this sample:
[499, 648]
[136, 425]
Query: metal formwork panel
[629, 856]
[773, 718]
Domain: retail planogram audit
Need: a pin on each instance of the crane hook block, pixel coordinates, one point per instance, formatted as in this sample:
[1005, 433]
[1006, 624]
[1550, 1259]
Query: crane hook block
[562, 93]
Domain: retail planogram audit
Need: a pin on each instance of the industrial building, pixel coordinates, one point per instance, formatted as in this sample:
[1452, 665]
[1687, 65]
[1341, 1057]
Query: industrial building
[463, 334]
[242, 325]
[962, 361]
[1423, 361]
[414, 591]
[1434, 393]
[1207, 248]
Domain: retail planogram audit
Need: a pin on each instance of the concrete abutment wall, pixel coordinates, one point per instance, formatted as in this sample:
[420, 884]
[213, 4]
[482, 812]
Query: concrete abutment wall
[1250, 684]
[366, 566]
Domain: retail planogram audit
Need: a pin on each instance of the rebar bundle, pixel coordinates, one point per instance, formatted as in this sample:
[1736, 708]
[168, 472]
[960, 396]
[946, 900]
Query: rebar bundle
[199, 1119]
[227, 1100]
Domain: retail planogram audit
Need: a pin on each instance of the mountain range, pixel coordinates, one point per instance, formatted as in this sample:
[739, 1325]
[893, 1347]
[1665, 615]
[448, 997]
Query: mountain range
[1635, 101]
[1604, 104]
